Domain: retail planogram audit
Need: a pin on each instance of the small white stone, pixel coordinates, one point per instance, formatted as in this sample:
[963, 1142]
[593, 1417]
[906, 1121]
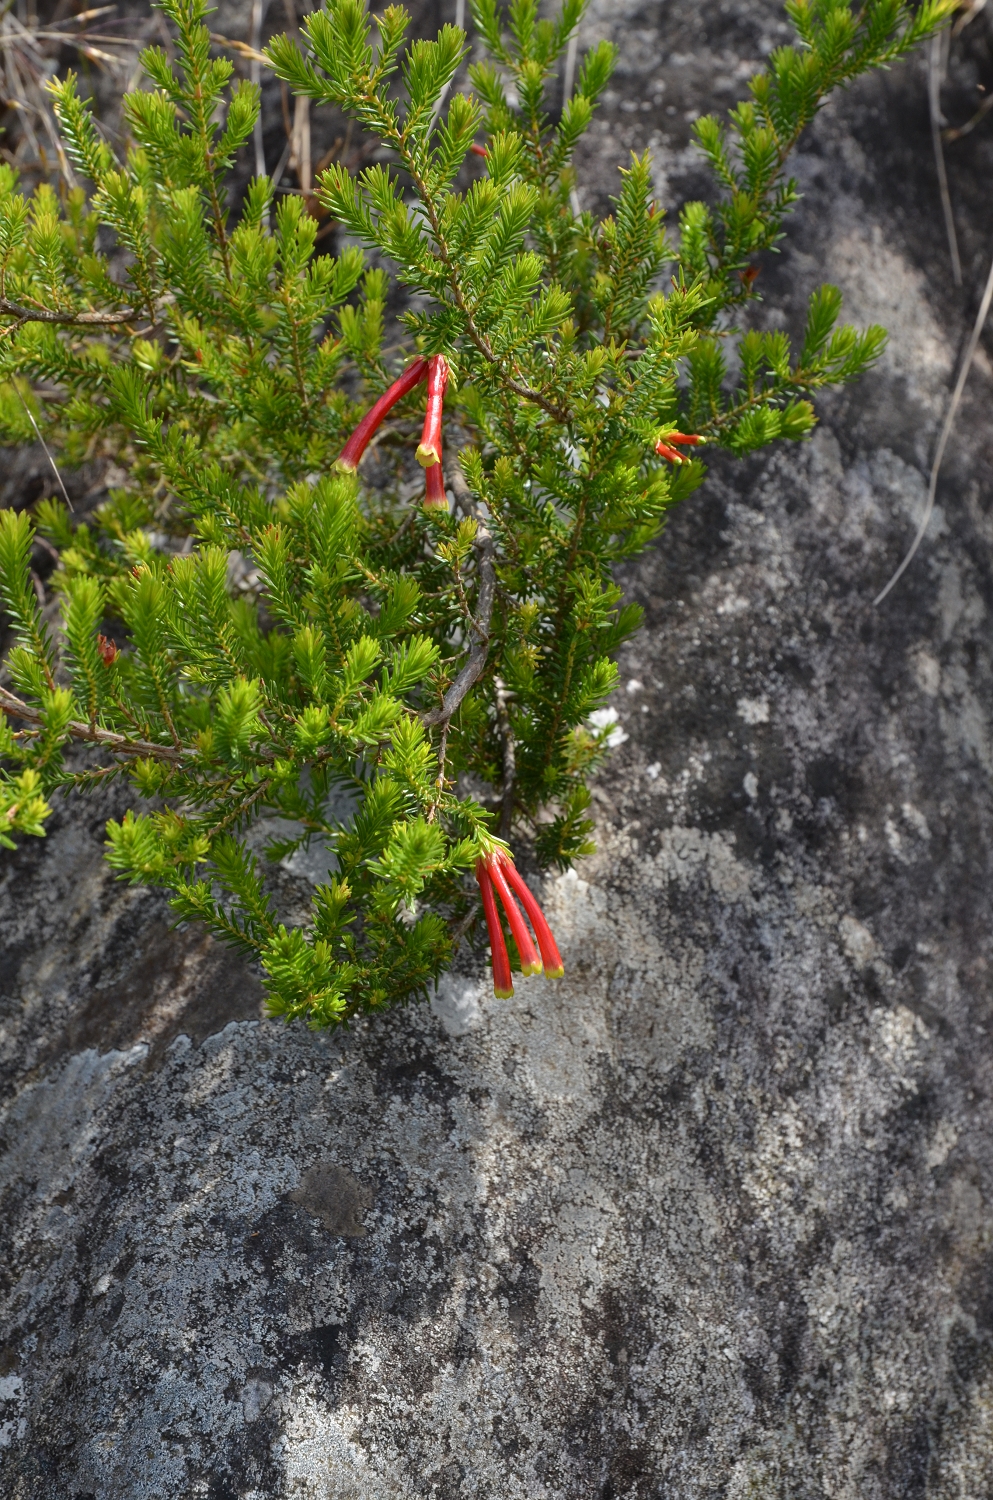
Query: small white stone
[859, 943]
[754, 710]
[927, 671]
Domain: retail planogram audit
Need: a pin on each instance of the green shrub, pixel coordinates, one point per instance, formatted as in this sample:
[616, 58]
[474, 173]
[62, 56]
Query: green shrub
[247, 632]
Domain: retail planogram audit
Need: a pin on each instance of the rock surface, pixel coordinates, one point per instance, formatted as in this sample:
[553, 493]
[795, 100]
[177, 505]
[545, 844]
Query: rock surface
[713, 1217]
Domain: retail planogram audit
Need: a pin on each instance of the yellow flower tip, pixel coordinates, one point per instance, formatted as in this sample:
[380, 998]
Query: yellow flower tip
[534, 968]
[503, 994]
[344, 466]
[554, 973]
[435, 504]
[427, 456]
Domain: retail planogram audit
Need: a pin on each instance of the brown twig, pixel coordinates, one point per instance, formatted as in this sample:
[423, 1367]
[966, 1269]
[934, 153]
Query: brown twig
[46, 315]
[439, 786]
[119, 744]
[461, 927]
[509, 758]
[480, 624]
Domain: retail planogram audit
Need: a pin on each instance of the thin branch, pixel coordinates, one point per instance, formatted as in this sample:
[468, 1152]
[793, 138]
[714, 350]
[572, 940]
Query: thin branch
[439, 786]
[480, 339]
[119, 744]
[485, 552]
[46, 315]
[509, 758]
[461, 927]
[970, 354]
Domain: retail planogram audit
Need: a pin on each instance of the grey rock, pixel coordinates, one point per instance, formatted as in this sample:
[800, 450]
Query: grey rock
[710, 1217]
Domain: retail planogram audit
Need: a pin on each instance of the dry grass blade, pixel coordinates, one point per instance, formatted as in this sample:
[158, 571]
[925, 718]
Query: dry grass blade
[970, 12]
[956, 132]
[259, 8]
[29, 55]
[946, 429]
[460, 25]
[251, 54]
[937, 64]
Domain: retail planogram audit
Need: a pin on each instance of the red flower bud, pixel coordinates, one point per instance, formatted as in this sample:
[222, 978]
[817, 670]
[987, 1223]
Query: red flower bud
[429, 450]
[478, 150]
[108, 650]
[348, 459]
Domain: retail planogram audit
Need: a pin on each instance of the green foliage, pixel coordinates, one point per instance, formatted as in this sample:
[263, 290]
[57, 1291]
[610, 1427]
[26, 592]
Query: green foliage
[257, 643]
[836, 45]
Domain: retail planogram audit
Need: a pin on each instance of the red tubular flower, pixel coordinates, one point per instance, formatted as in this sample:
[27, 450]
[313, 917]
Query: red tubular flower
[547, 946]
[429, 450]
[496, 873]
[503, 985]
[434, 493]
[348, 459]
[530, 962]
[665, 449]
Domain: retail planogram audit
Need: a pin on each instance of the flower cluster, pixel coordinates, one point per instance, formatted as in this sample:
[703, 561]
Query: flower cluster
[498, 877]
[435, 372]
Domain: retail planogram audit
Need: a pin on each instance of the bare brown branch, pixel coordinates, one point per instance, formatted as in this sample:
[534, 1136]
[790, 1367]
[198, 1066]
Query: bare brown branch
[118, 744]
[479, 651]
[46, 315]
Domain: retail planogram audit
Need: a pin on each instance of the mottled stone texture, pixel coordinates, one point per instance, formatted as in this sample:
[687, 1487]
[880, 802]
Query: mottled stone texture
[713, 1216]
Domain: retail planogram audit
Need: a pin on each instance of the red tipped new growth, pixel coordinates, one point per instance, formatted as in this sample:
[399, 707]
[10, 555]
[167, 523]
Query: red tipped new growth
[503, 986]
[429, 450]
[547, 945]
[496, 873]
[348, 459]
[665, 449]
[434, 489]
